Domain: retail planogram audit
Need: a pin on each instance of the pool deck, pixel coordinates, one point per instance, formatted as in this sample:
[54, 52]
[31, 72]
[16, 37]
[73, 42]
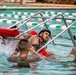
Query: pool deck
[52, 5]
[45, 5]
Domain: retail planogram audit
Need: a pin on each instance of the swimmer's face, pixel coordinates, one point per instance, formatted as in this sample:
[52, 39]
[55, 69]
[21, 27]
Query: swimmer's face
[45, 36]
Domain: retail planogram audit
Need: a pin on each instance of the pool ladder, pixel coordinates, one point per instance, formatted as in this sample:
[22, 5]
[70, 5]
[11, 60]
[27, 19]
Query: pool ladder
[24, 21]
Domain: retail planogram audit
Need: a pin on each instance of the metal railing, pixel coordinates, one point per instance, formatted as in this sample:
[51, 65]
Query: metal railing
[43, 23]
[47, 17]
[64, 19]
[57, 36]
[24, 21]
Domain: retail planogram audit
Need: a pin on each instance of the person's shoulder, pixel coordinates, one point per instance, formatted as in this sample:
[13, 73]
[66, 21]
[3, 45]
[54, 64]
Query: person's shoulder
[27, 36]
[34, 36]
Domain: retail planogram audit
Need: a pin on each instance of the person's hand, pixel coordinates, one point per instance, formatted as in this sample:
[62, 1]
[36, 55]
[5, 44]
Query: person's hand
[70, 55]
[49, 53]
[32, 49]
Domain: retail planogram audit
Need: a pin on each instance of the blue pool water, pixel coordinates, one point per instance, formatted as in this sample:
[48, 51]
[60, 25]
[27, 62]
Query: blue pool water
[60, 66]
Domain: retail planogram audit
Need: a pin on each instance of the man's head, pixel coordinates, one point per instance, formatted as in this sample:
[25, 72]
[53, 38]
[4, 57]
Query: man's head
[45, 34]
[23, 44]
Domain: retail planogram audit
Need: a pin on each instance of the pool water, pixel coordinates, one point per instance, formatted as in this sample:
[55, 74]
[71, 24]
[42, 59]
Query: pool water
[60, 66]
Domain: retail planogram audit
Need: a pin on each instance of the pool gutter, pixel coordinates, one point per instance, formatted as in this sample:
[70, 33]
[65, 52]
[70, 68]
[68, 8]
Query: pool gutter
[36, 8]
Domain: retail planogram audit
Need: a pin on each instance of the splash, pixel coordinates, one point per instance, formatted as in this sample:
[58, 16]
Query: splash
[7, 48]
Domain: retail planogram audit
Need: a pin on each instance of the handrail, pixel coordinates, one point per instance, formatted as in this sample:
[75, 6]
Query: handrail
[39, 24]
[31, 18]
[34, 16]
[69, 31]
[56, 36]
[44, 22]
[47, 17]
[24, 19]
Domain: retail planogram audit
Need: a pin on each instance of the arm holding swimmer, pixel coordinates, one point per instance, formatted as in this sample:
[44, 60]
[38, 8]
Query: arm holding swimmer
[14, 53]
[51, 53]
[39, 56]
[34, 41]
[24, 57]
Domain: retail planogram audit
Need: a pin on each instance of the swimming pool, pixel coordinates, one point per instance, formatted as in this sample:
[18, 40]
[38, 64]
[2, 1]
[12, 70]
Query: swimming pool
[9, 17]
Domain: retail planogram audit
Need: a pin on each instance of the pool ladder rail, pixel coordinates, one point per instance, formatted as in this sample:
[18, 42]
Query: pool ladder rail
[24, 21]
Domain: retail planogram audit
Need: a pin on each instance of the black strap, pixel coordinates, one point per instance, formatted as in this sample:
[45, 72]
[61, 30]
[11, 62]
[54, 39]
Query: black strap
[36, 46]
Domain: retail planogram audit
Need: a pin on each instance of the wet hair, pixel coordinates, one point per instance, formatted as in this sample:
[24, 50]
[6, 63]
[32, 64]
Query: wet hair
[44, 31]
[25, 40]
[27, 44]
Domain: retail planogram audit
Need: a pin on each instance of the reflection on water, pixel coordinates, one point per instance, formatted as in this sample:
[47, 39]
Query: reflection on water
[44, 67]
